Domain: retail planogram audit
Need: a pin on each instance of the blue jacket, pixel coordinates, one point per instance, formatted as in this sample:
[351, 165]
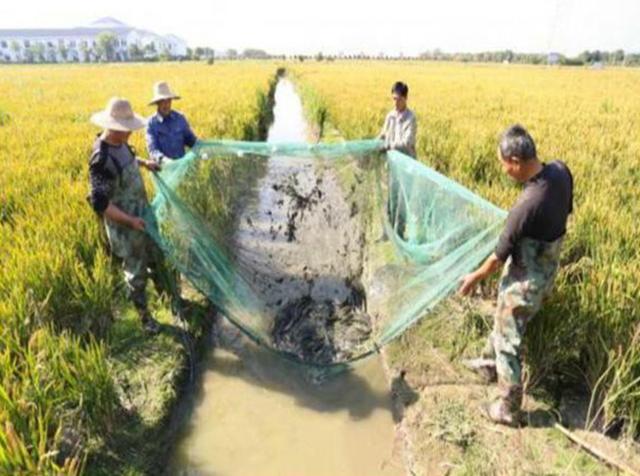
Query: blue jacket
[168, 136]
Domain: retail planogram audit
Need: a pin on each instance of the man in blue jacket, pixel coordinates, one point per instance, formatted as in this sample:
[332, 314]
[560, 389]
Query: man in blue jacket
[168, 132]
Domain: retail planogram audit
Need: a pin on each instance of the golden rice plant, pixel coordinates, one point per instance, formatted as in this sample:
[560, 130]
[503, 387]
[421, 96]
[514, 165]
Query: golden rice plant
[57, 286]
[587, 118]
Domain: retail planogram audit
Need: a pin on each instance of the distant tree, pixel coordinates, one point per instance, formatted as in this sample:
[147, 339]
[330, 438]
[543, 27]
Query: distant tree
[165, 54]
[618, 56]
[27, 55]
[319, 56]
[63, 51]
[209, 53]
[85, 51]
[51, 54]
[135, 52]
[106, 44]
[632, 59]
[189, 53]
[150, 50]
[571, 61]
[17, 49]
[253, 53]
[198, 53]
[585, 56]
[231, 54]
[589, 57]
[37, 51]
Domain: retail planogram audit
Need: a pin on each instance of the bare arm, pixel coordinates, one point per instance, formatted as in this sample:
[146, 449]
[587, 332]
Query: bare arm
[470, 281]
[116, 215]
[151, 165]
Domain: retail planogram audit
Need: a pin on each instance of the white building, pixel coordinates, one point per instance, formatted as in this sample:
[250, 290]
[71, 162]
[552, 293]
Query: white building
[79, 44]
[553, 58]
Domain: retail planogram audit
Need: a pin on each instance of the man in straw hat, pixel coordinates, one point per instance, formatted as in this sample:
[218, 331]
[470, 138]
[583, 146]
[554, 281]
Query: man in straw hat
[168, 132]
[118, 195]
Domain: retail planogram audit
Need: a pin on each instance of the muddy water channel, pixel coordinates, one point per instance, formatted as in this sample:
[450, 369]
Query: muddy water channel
[256, 413]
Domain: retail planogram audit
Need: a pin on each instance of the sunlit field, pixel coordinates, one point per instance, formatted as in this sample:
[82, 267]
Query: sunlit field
[589, 331]
[59, 290]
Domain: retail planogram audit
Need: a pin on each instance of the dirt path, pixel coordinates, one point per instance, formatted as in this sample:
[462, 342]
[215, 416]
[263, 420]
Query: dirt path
[445, 432]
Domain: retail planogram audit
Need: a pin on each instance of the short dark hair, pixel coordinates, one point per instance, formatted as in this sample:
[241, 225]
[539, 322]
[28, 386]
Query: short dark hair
[517, 142]
[400, 88]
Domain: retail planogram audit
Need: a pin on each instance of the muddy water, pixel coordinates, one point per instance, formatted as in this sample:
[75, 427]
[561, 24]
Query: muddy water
[255, 413]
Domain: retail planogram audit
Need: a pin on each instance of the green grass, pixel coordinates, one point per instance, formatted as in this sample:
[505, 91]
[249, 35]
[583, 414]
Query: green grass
[446, 425]
[150, 375]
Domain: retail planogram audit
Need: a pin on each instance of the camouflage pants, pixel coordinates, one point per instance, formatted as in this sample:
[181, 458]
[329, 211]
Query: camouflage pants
[526, 279]
[142, 259]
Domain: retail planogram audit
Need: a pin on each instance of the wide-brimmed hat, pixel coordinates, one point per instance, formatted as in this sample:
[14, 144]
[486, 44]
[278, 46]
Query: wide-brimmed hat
[161, 91]
[118, 116]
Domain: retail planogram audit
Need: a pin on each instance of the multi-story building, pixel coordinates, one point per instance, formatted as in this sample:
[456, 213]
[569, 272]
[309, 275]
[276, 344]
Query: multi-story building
[82, 44]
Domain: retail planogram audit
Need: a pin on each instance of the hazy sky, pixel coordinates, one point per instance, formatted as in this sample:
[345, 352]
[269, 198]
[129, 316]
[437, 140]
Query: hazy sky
[352, 26]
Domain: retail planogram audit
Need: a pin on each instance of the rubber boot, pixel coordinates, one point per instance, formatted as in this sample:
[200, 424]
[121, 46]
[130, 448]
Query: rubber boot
[505, 410]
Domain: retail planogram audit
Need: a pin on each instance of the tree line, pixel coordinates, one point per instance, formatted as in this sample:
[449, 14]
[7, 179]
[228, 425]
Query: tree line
[106, 49]
[615, 58]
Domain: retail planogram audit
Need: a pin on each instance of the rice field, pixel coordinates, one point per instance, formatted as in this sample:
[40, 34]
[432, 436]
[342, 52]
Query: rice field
[589, 331]
[59, 290]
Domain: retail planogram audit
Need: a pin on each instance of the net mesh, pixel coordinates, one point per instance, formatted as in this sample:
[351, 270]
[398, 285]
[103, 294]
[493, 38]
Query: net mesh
[322, 253]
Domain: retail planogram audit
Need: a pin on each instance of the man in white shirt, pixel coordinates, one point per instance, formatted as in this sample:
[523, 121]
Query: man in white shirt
[399, 129]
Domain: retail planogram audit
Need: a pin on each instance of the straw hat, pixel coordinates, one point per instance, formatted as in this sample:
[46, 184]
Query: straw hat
[118, 116]
[161, 91]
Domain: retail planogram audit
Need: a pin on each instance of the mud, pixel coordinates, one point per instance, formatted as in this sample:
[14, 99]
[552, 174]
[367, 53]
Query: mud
[302, 241]
[321, 331]
[298, 241]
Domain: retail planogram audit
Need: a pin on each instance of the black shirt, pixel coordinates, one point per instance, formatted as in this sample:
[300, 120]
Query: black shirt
[541, 210]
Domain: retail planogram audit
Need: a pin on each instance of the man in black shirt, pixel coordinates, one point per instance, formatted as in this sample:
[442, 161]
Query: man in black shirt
[529, 249]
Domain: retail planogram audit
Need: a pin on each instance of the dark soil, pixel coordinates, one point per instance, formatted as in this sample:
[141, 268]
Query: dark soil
[300, 242]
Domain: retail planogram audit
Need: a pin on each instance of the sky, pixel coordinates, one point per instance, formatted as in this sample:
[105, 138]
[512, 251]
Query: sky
[353, 26]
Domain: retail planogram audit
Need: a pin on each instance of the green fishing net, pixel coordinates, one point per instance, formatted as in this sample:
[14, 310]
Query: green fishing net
[322, 253]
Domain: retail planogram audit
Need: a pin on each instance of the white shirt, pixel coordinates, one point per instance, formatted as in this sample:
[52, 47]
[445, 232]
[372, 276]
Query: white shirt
[399, 131]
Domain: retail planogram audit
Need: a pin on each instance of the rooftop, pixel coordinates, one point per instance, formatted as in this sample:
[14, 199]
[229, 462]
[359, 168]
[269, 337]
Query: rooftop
[92, 29]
